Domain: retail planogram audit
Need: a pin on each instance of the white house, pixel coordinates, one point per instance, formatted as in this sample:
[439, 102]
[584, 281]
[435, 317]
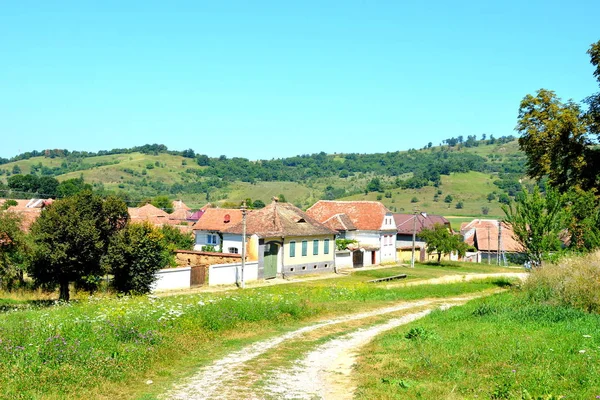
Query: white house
[370, 223]
[208, 231]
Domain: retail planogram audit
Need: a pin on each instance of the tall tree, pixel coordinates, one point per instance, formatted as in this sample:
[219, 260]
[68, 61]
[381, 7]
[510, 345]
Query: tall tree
[134, 256]
[559, 137]
[70, 237]
[12, 249]
[537, 221]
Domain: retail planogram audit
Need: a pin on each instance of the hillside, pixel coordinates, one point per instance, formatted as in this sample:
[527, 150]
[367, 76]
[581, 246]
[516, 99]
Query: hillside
[401, 180]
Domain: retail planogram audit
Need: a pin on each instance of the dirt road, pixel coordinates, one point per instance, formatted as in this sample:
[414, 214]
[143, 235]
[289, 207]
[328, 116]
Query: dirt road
[314, 362]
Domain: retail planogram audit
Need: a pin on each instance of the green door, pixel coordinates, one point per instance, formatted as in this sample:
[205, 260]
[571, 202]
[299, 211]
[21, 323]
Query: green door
[271, 261]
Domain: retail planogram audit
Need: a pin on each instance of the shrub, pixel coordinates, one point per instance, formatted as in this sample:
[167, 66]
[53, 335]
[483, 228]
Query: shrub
[573, 282]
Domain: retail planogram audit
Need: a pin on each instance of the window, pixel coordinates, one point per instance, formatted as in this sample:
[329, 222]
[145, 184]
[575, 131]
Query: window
[292, 249]
[315, 247]
[326, 246]
[304, 248]
[211, 239]
[233, 250]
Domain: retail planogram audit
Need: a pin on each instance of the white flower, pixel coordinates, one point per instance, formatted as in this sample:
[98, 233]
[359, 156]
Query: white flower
[588, 336]
[582, 351]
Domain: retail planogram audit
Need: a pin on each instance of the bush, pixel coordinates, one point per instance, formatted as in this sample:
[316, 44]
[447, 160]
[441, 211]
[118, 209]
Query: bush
[414, 200]
[460, 205]
[573, 282]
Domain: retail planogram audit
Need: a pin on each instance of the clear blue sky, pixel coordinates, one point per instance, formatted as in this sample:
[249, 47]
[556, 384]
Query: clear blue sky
[274, 79]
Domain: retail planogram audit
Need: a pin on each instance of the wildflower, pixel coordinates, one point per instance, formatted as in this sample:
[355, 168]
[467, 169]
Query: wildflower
[582, 351]
[587, 336]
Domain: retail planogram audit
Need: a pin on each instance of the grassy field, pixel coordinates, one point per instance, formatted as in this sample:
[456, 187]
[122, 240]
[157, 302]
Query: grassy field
[109, 348]
[544, 352]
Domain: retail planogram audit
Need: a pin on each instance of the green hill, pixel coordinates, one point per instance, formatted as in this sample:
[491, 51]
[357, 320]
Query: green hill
[401, 180]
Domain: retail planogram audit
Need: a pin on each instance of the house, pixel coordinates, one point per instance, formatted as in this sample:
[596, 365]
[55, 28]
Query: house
[28, 210]
[489, 235]
[368, 222]
[149, 213]
[209, 230]
[284, 240]
[406, 224]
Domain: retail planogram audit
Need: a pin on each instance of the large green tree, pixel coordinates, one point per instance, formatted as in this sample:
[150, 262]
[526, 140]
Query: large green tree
[70, 238]
[537, 221]
[441, 241]
[559, 137]
[134, 256]
[12, 249]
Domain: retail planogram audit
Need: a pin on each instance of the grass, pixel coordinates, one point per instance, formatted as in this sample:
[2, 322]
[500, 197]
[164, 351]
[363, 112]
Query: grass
[540, 341]
[544, 351]
[108, 348]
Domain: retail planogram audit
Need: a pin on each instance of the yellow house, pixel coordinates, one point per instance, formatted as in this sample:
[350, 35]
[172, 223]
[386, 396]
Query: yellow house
[287, 241]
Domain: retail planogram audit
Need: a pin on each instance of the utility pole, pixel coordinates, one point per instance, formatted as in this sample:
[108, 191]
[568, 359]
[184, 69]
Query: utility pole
[489, 248]
[412, 258]
[244, 211]
[499, 241]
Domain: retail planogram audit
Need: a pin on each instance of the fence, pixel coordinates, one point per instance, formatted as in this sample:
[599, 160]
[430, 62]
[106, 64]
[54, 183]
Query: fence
[229, 274]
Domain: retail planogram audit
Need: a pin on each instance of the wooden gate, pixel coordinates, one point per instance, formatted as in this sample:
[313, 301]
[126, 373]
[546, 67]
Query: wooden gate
[270, 266]
[198, 275]
[357, 258]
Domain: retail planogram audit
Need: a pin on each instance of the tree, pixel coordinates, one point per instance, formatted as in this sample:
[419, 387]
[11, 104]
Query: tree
[415, 199]
[558, 137]
[71, 187]
[459, 205]
[583, 219]
[70, 237]
[504, 198]
[439, 240]
[448, 199]
[163, 202]
[537, 221]
[485, 210]
[136, 253]
[16, 170]
[12, 249]
[256, 204]
[491, 197]
[175, 239]
[375, 185]
[281, 198]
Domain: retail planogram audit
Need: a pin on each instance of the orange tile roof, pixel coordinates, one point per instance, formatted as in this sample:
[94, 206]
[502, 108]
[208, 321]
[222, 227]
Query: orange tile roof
[218, 219]
[149, 213]
[281, 220]
[483, 234]
[28, 210]
[179, 204]
[365, 215]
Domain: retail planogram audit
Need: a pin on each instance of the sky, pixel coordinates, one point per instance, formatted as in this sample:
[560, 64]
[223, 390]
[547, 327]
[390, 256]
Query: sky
[270, 79]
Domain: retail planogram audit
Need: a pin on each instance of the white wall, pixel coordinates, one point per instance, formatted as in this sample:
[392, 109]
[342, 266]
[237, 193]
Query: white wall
[201, 240]
[386, 252]
[231, 240]
[172, 278]
[343, 259]
[227, 274]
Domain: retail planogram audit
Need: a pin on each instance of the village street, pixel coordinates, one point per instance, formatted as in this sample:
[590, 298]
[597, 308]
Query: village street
[313, 362]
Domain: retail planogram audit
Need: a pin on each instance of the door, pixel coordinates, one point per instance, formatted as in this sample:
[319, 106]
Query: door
[373, 257]
[357, 259]
[271, 251]
[197, 275]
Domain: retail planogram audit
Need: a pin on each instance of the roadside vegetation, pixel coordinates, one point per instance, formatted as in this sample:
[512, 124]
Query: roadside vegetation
[539, 341]
[109, 347]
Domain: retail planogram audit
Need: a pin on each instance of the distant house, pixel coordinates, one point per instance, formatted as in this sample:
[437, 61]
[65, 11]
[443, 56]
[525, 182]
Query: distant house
[209, 230]
[149, 213]
[488, 236]
[370, 223]
[405, 225]
[28, 210]
[285, 240]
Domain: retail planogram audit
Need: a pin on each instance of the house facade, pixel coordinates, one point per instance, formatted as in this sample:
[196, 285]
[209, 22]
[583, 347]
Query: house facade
[493, 240]
[369, 223]
[208, 230]
[285, 241]
[406, 224]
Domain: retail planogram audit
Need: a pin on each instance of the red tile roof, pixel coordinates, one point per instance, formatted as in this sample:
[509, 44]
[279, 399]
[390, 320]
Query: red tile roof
[28, 210]
[340, 223]
[179, 204]
[218, 219]
[405, 222]
[365, 215]
[281, 220]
